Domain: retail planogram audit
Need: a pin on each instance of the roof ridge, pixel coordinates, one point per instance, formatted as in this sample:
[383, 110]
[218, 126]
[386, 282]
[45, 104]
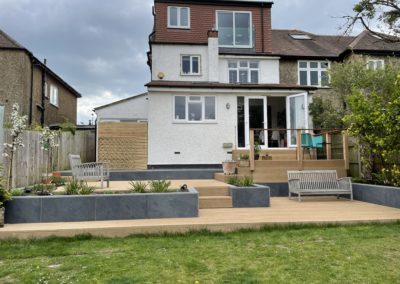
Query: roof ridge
[121, 100]
[13, 41]
[357, 39]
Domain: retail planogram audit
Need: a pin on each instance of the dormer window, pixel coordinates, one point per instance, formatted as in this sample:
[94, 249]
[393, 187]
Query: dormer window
[178, 17]
[234, 29]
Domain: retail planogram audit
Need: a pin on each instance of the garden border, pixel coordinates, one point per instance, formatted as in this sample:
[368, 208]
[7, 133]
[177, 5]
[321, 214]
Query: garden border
[250, 197]
[377, 194]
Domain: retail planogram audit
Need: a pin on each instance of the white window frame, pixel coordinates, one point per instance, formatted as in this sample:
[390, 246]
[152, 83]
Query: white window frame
[46, 90]
[191, 65]
[54, 95]
[375, 62]
[308, 69]
[251, 43]
[203, 109]
[248, 69]
[178, 20]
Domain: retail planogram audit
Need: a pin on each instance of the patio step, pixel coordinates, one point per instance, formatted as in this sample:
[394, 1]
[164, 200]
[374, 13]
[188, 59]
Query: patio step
[208, 202]
[213, 191]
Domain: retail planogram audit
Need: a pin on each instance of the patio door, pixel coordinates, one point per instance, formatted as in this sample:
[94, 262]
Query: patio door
[297, 116]
[256, 117]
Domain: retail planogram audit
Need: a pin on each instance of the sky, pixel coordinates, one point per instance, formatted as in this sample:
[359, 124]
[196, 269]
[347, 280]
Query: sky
[99, 46]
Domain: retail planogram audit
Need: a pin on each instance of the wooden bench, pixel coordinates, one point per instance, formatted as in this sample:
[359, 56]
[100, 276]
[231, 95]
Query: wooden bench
[89, 171]
[318, 183]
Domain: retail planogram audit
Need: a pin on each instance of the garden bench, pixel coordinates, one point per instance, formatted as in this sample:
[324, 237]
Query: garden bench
[318, 183]
[89, 171]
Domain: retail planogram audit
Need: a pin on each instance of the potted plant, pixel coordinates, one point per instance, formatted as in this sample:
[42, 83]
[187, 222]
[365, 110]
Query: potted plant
[257, 150]
[229, 167]
[244, 160]
[4, 196]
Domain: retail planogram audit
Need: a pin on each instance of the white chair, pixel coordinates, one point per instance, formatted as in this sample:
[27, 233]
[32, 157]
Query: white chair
[89, 171]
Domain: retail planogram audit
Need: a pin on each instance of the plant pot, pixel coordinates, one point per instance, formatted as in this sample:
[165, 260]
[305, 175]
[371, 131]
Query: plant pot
[244, 163]
[256, 156]
[2, 210]
[229, 167]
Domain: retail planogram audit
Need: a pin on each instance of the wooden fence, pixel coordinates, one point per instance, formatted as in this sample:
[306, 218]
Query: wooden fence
[30, 161]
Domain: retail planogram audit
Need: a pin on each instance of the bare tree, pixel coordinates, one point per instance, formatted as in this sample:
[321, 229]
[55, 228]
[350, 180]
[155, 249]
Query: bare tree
[384, 13]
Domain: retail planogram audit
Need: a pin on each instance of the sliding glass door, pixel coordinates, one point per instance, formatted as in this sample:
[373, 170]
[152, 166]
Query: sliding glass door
[297, 116]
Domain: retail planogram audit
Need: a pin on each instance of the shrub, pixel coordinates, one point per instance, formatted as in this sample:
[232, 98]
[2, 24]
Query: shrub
[43, 189]
[246, 181]
[159, 185]
[85, 189]
[234, 180]
[17, 192]
[138, 186]
[4, 194]
[57, 181]
[244, 157]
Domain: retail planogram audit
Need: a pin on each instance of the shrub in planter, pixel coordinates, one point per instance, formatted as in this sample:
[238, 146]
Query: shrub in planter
[43, 189]
[4, 196]
[17, 192]
[75, 187]
[242, 182]
[57, 181]
[244, 160]
[138, 186]
[159, 185]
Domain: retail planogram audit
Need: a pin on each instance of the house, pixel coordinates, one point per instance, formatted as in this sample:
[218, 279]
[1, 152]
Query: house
[42, 95]
[218, 70]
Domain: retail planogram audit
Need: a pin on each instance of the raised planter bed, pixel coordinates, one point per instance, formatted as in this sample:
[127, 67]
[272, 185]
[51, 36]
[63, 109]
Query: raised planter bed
[249, 197]
[101, 207]
[377, 194]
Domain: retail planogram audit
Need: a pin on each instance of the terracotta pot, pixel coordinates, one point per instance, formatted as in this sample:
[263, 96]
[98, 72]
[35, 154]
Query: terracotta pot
[2, 210]
[229, 167]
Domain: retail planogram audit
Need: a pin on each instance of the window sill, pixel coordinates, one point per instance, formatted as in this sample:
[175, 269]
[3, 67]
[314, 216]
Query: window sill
[178, 28]
[55, 106]
[319, 87]
[194, 122]
[191, 75]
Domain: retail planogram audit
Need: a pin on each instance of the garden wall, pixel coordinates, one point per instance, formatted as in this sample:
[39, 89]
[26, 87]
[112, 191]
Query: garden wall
[377, 194]
[30, 161]
[101, 207]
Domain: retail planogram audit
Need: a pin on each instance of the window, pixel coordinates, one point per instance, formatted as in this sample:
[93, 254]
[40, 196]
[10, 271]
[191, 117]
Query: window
[54, 95]
[179, 17]
[234, 29]
[313, 73]
[46, 91]
[243, 72]
[300, 36]
[194, 108]
[376, 64]
[190, 65]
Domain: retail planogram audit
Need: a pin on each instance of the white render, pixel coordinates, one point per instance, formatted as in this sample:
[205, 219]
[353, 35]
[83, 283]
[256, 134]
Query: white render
[166, 59]
[198, 143]
[135, 108]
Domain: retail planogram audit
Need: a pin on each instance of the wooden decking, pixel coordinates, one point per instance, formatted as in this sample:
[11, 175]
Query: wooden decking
[313, 210]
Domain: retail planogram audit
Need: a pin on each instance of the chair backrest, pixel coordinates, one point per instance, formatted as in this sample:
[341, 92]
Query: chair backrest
[316, 179]
[74, 160]
[306, 140]
[318, 141]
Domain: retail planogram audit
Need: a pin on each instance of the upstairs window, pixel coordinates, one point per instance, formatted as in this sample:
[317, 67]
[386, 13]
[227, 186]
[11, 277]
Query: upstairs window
[243, 72]
[234, 29]
[194, 109]
[179, 17]
[190, 65]
[376, 64]
[314, 73]
[54, 95]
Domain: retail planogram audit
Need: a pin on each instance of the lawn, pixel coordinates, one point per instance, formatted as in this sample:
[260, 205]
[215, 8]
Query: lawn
[342, 254]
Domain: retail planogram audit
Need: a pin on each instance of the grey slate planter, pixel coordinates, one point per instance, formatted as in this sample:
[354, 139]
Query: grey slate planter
[101, 207]
[377, 194]
[249, 197]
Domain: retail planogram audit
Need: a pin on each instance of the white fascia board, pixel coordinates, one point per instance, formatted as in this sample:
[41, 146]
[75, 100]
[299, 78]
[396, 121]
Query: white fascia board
[249, 57]
[224, 91]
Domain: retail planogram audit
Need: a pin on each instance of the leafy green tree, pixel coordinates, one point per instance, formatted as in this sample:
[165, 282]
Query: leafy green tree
[372, 102]
[384, 14]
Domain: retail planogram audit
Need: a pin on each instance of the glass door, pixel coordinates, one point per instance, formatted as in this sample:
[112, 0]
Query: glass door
[297, 116]
[256, 117]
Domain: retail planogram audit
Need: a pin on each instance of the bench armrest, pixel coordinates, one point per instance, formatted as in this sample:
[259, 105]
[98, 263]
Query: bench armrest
[345, 183]
[294, 184]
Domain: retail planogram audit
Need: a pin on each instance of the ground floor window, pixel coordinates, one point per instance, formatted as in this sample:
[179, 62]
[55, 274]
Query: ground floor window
[194, 108]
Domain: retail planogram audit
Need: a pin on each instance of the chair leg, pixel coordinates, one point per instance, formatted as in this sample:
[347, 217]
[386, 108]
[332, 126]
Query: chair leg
[351, 196]
[102, 183]
[108, 183]
[290, 195]
[299, 196]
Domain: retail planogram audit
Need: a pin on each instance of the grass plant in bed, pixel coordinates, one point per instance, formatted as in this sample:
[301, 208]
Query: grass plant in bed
[311, 254]
[154, 186]
[242, 182]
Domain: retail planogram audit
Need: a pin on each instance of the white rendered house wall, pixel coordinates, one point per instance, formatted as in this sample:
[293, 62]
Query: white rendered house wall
[135, 108]
[196, 143]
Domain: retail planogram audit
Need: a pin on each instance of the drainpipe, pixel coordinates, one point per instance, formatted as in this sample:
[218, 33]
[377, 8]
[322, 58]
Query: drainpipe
[31, 95]
[43, 93]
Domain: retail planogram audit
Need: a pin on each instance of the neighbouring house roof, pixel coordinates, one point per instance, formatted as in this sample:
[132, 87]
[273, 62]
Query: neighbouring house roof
[120, 101]
[180, 84]
[8, 43]
[366, 41]
[219, 2]
[321, 46]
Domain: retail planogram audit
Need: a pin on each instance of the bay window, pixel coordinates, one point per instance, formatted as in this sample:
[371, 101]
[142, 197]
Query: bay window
[194, 108]
[234, 29]
[243, 72]
[313, 73]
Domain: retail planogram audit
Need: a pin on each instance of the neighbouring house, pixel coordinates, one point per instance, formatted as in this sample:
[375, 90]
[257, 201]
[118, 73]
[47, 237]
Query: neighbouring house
[42, 95]
[218, 69]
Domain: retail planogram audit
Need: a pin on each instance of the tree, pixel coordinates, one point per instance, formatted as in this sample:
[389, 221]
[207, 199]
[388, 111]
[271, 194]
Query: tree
[48, 141]
[385, 13]
[373, 115]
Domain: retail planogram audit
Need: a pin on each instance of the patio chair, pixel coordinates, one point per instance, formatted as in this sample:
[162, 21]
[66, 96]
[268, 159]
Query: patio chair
[311, 142]
[89, 171]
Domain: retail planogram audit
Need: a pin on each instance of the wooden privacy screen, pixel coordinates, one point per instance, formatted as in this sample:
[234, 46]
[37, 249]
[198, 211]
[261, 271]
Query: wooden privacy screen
[123, 144]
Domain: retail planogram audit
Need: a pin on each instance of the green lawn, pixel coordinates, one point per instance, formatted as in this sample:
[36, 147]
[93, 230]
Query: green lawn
[343, 254]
